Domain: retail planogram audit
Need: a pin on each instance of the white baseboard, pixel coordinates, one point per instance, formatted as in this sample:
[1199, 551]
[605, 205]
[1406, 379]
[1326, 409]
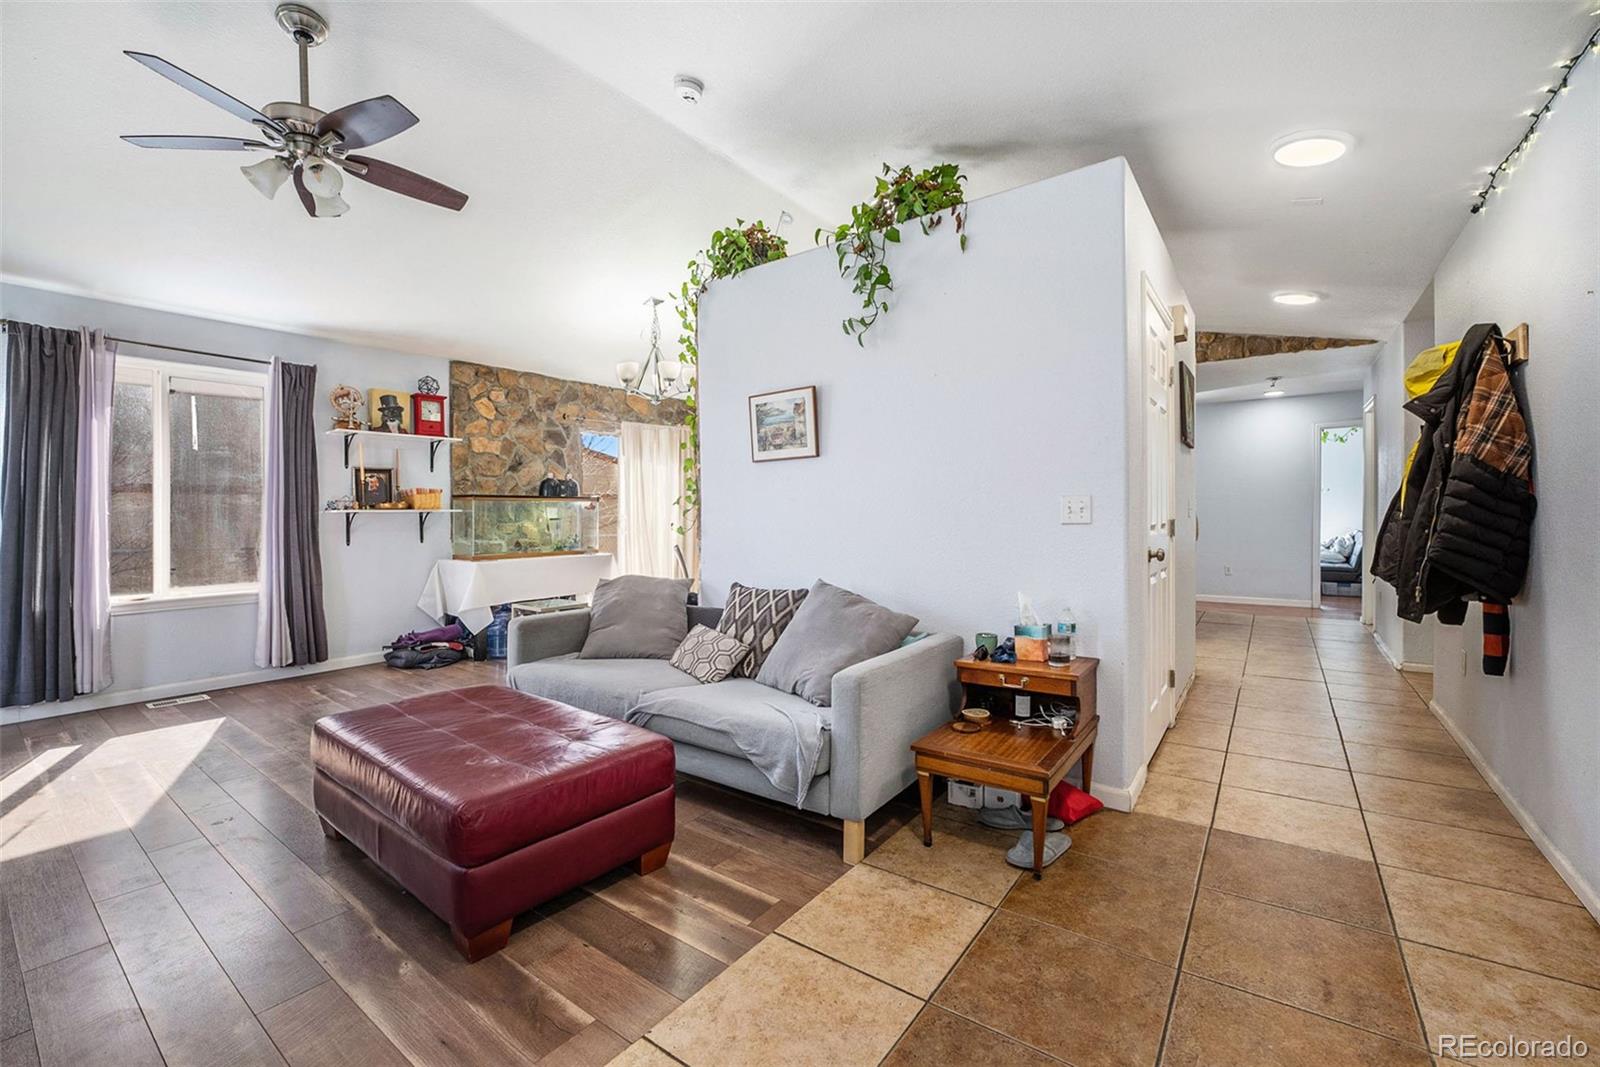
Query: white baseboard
[112, 698]
[1253, 601]
[1585, 892]
[1120, 799]
[1396, 662]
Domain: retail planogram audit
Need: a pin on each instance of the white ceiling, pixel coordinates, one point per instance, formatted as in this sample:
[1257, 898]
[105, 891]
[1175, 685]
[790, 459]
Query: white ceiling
[1331, 370]
[591, 183]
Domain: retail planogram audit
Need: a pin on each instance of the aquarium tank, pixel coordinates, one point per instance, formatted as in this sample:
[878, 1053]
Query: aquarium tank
[507, 527]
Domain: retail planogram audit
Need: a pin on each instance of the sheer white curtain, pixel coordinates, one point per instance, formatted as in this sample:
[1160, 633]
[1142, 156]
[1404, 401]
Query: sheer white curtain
[91, 571]
[649, 486]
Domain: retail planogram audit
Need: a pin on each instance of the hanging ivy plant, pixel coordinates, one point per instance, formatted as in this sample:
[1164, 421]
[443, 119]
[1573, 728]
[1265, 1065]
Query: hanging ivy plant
[862, 243]
[732, 250]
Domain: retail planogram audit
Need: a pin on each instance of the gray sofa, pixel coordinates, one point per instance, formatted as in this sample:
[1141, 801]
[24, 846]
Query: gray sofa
[879, 707]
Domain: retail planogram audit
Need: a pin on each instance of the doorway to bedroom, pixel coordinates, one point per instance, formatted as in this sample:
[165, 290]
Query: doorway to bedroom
[1340, 552]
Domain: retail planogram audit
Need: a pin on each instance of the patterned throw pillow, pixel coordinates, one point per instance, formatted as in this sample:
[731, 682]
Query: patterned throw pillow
[757, 617]
[708, 655]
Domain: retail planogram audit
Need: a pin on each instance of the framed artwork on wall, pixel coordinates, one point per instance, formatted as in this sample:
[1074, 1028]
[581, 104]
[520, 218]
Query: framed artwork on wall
[1185, 405]
[783, 425]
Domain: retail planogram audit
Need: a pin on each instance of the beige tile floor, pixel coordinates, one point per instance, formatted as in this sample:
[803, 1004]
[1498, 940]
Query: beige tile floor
[1314, 873]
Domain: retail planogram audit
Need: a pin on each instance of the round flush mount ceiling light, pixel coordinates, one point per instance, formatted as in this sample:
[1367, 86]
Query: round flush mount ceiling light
[1297, 298]
[1310, 148]
[689, 89]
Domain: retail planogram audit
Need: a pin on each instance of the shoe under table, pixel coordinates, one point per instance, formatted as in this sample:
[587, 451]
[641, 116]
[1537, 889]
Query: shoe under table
[485, 802]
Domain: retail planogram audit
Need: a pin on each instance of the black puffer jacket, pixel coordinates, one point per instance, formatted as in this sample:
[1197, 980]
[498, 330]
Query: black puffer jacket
[1464, 530]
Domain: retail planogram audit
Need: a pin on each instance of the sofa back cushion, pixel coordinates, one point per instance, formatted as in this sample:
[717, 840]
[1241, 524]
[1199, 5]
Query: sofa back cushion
[758, 618]
[635, 617]
[833, 629]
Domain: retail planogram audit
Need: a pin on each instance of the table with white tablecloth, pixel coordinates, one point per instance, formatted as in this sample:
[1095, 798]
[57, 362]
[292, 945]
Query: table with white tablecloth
[469, 589]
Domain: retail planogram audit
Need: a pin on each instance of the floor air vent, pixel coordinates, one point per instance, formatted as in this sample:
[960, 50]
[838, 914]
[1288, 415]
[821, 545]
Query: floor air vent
[193, 698]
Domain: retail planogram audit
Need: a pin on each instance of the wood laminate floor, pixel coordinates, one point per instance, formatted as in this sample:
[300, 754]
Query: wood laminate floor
[168, 897]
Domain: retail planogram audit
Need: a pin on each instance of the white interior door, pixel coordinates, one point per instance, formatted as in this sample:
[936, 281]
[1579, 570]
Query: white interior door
[1160, 505]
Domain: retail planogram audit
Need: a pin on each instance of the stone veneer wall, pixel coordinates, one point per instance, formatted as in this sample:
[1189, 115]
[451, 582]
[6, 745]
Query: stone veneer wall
[519, 426]
[1212, 347]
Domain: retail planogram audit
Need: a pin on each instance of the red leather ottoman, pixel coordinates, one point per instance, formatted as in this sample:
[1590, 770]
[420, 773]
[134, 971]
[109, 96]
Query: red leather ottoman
[485, 802]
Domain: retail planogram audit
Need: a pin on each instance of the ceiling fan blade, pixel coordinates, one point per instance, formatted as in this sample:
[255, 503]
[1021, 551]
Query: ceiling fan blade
[402, 181]
[306, 199]
[213, 144]
[204, 90]
[367, 122]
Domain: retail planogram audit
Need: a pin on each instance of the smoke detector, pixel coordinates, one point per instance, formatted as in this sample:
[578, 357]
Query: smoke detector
[689, 89]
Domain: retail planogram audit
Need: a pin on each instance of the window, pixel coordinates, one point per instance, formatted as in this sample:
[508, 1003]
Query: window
[599, 478]
[186, 471]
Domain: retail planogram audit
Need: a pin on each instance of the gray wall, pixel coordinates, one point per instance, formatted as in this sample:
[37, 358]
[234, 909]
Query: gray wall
[1535, 258]
[1256, 481]
[370, 588]
[999, 380]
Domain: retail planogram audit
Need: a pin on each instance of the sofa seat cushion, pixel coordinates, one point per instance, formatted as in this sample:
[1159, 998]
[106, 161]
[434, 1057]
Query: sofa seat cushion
[607, 686]
[786, 737]
[478, 773]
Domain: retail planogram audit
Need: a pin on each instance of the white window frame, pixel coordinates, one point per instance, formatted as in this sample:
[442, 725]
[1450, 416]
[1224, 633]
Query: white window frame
[160, 375]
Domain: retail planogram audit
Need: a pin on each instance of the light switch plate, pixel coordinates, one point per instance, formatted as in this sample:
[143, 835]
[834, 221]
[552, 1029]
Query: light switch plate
[1076, 510]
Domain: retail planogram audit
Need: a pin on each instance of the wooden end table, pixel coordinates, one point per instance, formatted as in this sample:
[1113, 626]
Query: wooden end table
[1030, 760]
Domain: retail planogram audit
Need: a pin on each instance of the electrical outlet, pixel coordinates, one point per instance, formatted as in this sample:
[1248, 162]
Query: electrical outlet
[1076, 510]
[1227, 571]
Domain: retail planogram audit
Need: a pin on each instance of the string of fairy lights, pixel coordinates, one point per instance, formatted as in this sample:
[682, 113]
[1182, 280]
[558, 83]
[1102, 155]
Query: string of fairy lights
[1508, 166]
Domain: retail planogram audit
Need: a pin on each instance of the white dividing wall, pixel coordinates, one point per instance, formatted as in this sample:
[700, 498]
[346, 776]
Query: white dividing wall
[370, 588]
[997, 382]
[1534, 257]
[1407, 643]
[1256, 482]
[1341, 483]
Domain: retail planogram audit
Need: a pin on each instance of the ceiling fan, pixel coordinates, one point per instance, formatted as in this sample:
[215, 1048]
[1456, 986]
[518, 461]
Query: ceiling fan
[306, 144]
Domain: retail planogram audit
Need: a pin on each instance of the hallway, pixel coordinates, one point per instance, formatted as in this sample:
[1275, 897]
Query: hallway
[1356, 868]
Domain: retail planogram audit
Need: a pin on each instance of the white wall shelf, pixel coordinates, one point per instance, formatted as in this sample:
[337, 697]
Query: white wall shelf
[421, 514]
[433, 442]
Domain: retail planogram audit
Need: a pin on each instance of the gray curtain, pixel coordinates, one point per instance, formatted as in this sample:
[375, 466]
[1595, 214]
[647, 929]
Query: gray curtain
[39, 489]
[290, 626]
[302, 542]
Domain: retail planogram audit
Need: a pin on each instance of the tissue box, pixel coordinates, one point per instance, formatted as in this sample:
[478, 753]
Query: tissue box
[1032, 643]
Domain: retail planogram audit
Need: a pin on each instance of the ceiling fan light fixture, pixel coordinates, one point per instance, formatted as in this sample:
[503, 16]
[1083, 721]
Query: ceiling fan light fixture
[323, 178]
[267, 176]
[330, 207]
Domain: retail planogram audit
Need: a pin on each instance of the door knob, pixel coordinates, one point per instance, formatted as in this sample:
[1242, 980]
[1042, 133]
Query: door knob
[1158, 554]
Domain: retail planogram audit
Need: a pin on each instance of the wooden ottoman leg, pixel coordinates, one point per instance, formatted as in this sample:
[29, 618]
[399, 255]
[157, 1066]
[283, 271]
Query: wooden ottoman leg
[653, 860]
[328, 831]
[478, 946]
[855, 840]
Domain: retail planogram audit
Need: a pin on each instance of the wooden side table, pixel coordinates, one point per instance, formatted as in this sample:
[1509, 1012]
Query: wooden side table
[1030, 760]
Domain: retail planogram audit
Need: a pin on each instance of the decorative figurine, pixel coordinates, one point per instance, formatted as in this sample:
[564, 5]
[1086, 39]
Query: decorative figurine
[427, 384]
[346, 401]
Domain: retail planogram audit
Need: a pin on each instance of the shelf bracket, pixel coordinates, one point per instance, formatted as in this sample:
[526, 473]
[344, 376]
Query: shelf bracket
[422, 527]
[433, 450]
[347, 438]
[349, 521]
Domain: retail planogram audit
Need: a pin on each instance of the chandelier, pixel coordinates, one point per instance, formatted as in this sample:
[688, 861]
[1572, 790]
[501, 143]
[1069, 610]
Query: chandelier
[657, 378]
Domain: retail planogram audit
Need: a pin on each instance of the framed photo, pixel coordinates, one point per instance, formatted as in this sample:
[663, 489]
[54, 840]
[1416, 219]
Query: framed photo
[783, 425]
[1186, 405]
[389, 410]
[374, 485]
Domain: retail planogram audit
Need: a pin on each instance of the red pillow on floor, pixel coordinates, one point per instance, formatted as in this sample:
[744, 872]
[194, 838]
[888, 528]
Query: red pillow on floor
[1070, 803]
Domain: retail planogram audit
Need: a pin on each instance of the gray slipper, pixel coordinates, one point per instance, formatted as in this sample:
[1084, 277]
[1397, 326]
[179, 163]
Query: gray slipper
[1009, 818]
[1021, 854]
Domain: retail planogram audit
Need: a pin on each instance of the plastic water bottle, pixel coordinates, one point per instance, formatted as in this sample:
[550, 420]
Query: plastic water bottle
[1063, 635]
[495, 632]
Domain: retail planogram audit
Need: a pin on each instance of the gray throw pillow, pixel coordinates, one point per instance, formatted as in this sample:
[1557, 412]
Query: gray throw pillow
[709, 656]
[833, 629]
[635, 617]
